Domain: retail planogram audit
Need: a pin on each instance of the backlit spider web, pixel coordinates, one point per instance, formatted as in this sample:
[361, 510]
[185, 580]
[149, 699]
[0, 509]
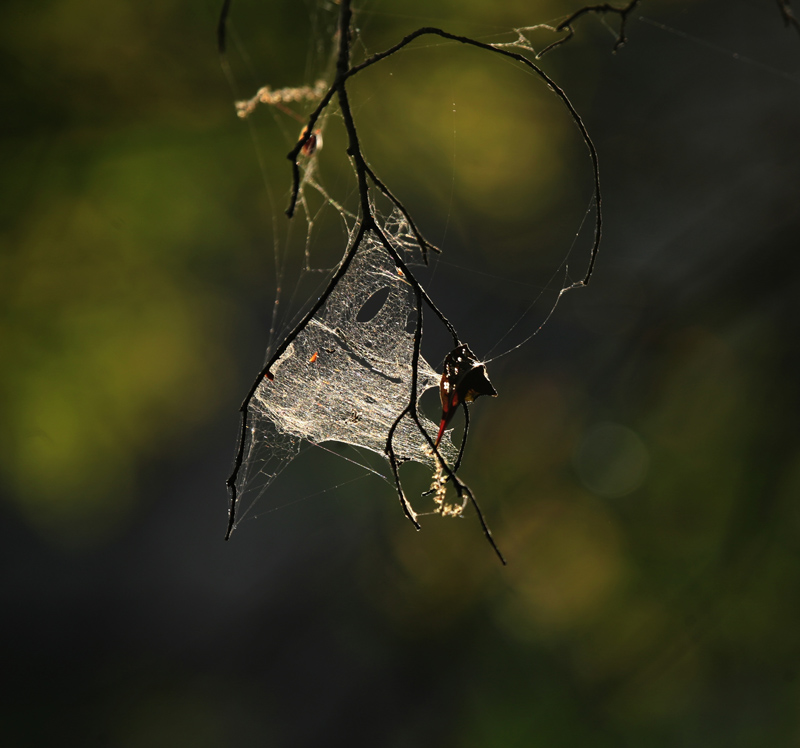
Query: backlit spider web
[351, 369]
[347, 375]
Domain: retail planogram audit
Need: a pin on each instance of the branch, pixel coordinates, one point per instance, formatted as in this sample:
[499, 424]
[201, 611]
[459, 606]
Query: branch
[344, 74]
[265, 373]
[424, 244]
[566, 25]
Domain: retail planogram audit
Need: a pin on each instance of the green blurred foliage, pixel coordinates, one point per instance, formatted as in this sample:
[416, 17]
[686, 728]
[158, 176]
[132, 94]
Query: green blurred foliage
[113, 328]
[640, 469]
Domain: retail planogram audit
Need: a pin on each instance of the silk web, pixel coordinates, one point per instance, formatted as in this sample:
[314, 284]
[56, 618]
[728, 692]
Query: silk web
[349, 368]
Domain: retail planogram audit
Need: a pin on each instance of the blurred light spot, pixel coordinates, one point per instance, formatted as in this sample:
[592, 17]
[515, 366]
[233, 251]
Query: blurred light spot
[611, 460]
[566, 564]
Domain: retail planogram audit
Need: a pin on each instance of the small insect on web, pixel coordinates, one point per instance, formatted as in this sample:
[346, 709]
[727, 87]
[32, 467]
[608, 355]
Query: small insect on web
[346, 376]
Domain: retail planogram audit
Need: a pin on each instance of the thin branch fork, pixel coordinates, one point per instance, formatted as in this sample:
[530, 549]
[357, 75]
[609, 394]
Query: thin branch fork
[343, 75]
[566, 24]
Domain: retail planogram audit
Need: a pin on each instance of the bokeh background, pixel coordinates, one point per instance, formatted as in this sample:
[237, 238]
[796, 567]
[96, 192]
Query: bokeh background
[640, 469]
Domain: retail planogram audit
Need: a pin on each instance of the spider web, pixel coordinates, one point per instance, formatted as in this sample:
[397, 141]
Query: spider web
[347, 375]
[351, 369]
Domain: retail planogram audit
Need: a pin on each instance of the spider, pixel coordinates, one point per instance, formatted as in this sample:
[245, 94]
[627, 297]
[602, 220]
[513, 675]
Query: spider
[463, 379]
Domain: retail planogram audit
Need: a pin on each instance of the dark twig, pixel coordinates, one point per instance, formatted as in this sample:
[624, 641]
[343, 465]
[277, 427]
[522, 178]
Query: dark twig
[460, 487]
[566, 25]
[411, 409]
[457, 463]
[308, 134]
[266, 374]
[414, 283]
[424, 244]
[222, 26]
[554, 87]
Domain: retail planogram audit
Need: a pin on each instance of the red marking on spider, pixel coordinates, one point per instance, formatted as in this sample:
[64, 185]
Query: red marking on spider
[464, 378]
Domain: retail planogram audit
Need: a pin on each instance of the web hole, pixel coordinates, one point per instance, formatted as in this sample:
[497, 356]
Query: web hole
[373, 305]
